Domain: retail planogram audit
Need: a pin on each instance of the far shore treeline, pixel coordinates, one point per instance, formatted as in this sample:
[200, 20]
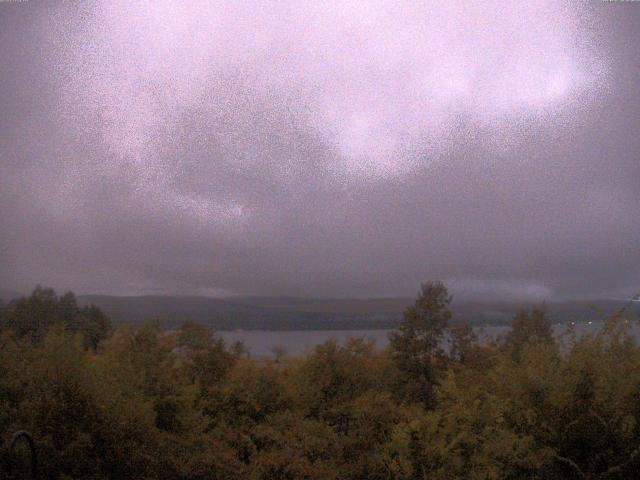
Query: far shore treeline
[110, 400]
[292, 313]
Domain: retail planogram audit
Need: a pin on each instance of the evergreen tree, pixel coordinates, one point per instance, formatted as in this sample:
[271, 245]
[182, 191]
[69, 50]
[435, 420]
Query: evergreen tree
[415, 346]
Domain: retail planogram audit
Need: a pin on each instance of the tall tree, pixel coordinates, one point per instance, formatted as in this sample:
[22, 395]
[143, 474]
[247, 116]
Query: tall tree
[416, 344]
[526, 327]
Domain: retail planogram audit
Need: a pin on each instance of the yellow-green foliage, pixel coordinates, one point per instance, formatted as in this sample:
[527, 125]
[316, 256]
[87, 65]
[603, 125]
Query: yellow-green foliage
[167, 405]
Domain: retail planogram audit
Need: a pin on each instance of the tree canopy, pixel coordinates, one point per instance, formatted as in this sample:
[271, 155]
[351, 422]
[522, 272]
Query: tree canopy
[142, 402]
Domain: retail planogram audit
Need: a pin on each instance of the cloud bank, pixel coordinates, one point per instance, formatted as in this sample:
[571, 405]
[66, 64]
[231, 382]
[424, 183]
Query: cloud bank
[346, 148]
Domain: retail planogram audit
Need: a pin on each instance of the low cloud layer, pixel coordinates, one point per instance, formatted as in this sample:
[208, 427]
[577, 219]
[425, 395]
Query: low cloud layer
[348, 148]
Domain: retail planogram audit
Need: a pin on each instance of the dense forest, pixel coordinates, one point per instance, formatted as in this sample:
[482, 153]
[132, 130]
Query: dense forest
[142, 402]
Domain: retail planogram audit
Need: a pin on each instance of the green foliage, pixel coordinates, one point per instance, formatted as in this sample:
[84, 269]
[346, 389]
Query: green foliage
[526, 327]
[416, 345]
[31, 317]
[153, 404]
[464, 344]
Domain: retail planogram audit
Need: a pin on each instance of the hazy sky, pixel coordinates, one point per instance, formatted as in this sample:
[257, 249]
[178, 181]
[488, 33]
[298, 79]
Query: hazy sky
[320, 148]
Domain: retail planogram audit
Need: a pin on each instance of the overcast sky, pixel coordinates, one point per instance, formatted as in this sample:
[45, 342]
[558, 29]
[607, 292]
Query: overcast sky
[321, 148]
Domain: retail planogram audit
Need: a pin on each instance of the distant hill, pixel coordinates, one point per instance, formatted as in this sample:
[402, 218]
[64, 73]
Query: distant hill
[290, 313]
[8, 295]
[253, 313]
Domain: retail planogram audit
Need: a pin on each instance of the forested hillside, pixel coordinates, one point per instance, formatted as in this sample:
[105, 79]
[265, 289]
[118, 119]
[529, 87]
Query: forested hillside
[252, 313]
[288, 313]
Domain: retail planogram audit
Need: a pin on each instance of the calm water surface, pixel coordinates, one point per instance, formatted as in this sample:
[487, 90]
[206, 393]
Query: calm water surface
[295, 342]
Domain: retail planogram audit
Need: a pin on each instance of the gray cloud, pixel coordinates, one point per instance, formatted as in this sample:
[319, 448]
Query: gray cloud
[343, 149]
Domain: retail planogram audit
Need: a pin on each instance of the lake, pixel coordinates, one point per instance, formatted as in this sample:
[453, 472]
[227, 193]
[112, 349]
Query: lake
[296, 342]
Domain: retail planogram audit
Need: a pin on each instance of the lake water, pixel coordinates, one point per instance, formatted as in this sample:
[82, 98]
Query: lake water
[296, 342]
